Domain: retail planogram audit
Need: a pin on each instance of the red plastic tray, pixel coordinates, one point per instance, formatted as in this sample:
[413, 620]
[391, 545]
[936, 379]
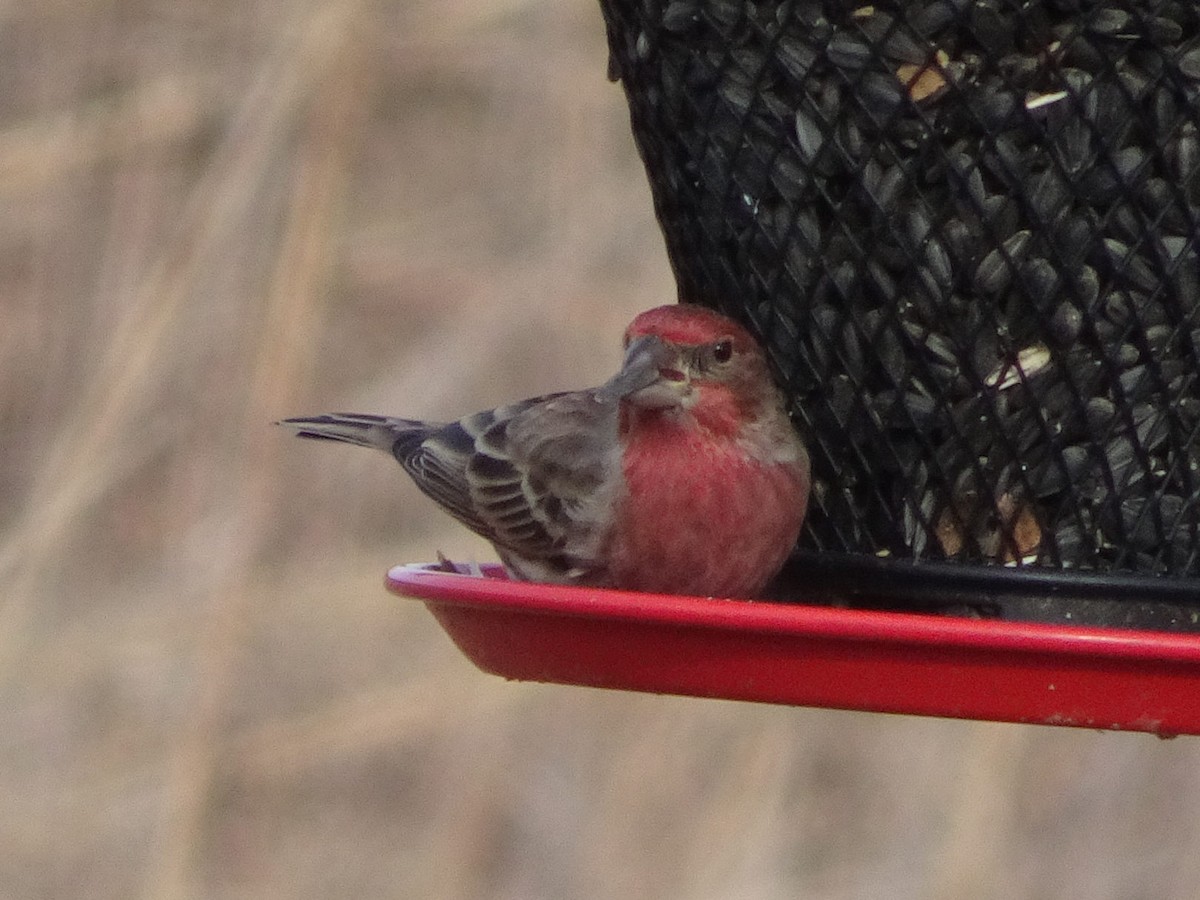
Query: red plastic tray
[816, 655]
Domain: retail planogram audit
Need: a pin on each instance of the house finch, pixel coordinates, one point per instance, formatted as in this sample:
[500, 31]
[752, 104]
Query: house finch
[681, 474]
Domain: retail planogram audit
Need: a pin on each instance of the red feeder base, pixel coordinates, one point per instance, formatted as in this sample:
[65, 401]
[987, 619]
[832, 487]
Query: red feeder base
[816, 655]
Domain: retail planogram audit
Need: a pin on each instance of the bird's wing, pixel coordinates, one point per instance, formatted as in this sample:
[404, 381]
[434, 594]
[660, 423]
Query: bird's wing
[438, 459]
[530, 477]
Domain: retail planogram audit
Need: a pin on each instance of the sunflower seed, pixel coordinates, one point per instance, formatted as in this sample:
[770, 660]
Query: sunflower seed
[1127, 356]
[1151, 425]
[1189, 64]
[934, 16]
[796, 57]
[882, 93]
[789, 178]
[1139, 524]
[1042, 100]
[938, 264]
[1066, 323]
[995, 272]
[1071, 544]
[1040, 279]
[1100, 413]
[810, 138]
[1109, 21]
[1136, 384]
[1085, 284]
[847, 52]
[1158, 339]
[1161, 30]
[1120, 456]
[680, 15]
[902, 46]
[1029, 362]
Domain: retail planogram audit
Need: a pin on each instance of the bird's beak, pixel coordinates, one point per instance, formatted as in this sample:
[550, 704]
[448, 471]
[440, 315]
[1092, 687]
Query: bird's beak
[652, 376]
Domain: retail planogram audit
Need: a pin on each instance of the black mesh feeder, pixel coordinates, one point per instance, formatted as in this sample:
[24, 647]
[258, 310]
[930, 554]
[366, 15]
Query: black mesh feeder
[966, 232]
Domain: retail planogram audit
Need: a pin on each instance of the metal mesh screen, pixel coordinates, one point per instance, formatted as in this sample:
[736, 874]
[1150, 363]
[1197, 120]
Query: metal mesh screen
[966, 231]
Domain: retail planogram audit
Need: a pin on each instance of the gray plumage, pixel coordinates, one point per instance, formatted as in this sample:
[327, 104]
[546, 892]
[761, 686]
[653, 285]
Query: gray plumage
[528, 476]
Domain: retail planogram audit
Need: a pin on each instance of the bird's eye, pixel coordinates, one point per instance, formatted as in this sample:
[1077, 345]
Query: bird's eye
[722, 350]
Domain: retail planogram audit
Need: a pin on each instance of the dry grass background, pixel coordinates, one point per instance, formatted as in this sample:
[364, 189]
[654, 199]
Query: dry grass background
[216, 214]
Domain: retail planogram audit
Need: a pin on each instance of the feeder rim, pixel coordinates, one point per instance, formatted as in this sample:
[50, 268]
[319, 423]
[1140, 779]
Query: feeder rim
[939, 581]
[493, 592]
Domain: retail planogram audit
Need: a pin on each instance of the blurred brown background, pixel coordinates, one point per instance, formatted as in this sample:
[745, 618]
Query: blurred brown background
[217, 214]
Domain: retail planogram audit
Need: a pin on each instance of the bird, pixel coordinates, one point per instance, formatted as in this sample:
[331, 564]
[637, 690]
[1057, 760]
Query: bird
[682, 474]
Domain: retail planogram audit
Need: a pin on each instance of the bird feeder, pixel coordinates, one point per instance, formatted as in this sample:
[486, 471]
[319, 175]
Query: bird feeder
[966, 233]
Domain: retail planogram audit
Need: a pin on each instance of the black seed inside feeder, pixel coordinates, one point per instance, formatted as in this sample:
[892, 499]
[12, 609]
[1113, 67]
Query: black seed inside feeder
[966, 231]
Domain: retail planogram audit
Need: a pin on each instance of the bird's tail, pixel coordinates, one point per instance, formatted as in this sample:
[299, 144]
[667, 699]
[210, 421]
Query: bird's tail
[378, 432]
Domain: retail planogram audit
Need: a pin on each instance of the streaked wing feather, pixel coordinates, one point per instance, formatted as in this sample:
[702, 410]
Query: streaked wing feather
[525, 476]
[441, 461]
[437, 462]
[536, 473]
